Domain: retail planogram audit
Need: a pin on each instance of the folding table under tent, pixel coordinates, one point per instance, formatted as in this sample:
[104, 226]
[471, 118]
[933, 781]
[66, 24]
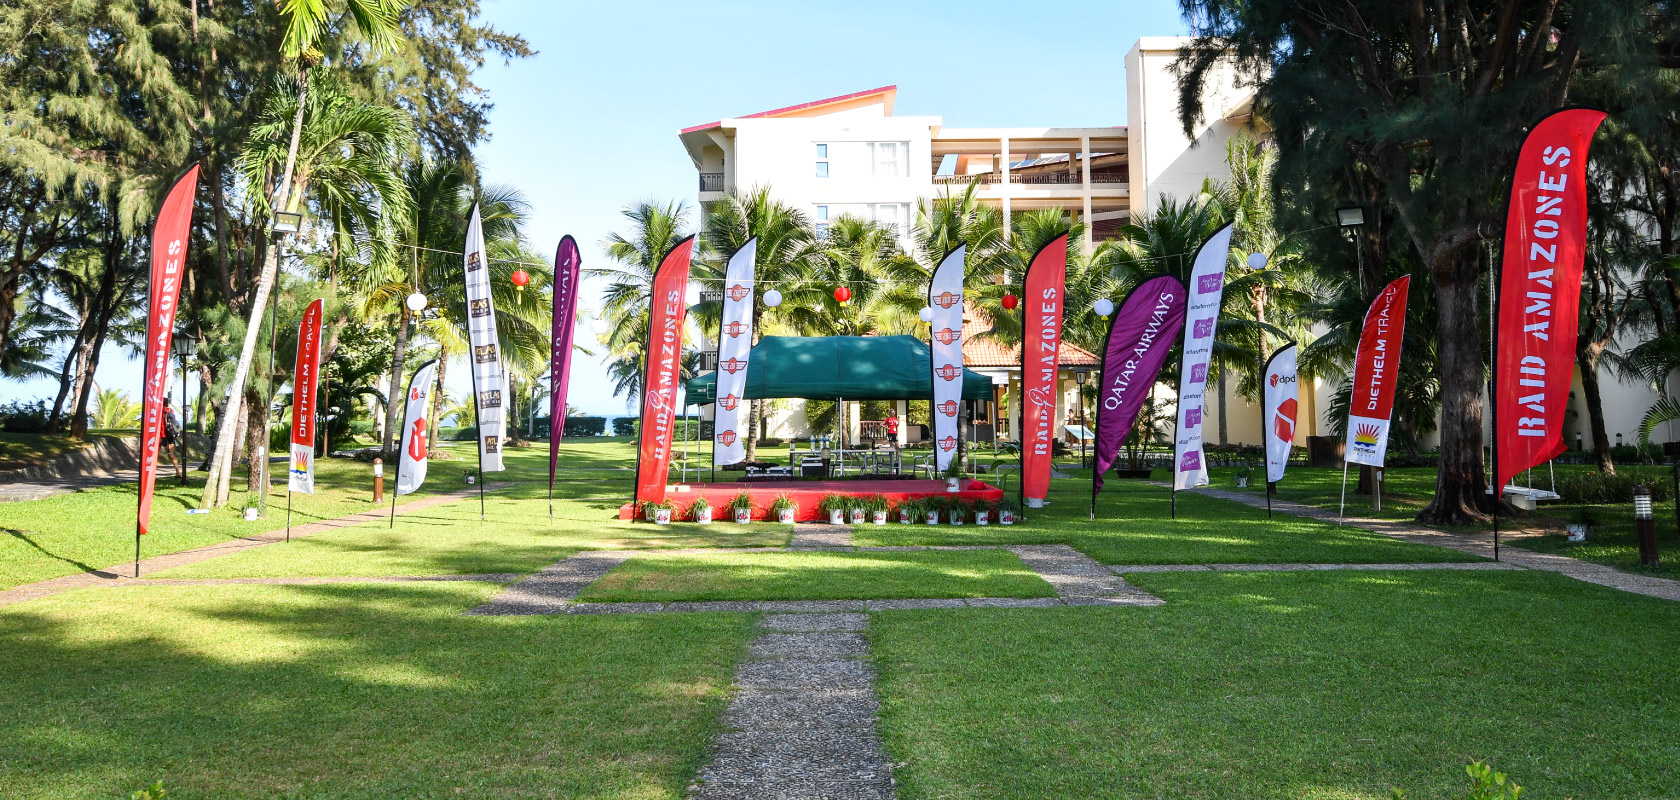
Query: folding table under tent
[833, 368]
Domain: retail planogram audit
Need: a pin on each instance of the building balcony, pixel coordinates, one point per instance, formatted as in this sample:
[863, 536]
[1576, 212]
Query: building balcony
[1030, 179]
[711, 182]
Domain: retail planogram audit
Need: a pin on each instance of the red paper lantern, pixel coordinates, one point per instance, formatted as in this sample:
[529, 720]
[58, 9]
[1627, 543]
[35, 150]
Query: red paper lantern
[1010, 302]
[842, 295]
[520, 278]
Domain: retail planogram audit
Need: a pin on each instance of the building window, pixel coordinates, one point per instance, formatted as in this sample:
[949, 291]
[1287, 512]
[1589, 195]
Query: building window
[891, 216]
[822, 222]
[822, 160]
[888, 159]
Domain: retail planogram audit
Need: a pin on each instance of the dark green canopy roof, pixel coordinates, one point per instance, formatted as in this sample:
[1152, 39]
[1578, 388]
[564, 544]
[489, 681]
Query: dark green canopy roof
[831, 367]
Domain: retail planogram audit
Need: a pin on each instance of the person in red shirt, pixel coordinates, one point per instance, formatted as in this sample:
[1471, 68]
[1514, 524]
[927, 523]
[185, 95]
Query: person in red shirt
[892, 428]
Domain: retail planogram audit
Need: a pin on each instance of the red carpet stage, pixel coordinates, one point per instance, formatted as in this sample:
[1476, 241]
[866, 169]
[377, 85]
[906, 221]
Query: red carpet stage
[809, 493]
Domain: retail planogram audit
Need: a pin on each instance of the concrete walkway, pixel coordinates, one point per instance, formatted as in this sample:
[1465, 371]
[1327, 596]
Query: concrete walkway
[1480, 544]
[19, 491]
[125, 572]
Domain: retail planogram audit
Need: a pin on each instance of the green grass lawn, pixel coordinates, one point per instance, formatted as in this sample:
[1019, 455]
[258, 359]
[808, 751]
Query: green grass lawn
[818, 576]
[515, 536]
[344, 691]
[1612, 540]
[1133, 527]
[1288, 686]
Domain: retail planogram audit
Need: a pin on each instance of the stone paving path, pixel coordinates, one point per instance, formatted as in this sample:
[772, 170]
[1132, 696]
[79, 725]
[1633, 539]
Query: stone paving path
[1475, 544]
[802, 725]
[1078, 579]
[487, 577]
[1473, 566]
[820, 536]
[125, 572]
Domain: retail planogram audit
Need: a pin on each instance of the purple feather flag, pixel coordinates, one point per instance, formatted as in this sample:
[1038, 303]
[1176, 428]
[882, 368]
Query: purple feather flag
[1144, 329]
[566, 264]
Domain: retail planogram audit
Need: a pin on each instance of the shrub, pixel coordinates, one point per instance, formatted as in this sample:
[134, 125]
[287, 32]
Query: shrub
[466, 434]
[20, 417]
[584, 426]
[771, 441]
[625, 426]
[1597, 487]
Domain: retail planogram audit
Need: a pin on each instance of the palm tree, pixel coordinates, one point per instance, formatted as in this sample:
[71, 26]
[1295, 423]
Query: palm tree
[654, 230]
[342, 151]
[114, 409]
[306, 20]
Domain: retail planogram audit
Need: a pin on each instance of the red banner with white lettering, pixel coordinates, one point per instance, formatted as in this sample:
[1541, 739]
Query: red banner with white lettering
[667, 310]
[1540, 290]
[169, 256]
[305, 375]
[1042, 293]
[1375, 373]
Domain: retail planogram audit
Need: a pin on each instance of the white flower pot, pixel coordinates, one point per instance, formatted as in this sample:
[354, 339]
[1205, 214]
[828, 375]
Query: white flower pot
[649, 513]
[951, 484]
[785, 516]
[904, 516]
[1006, 517]
[933, 517]
[702, 516]
[956, 517]
[1577, 532]
[982, 517]
[878, 517]
[856, 515]
[1242, 483]
[662, 516]
[837, 517]
[743, 515]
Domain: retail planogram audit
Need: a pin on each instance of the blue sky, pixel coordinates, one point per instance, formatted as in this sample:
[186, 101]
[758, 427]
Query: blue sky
[589, 125]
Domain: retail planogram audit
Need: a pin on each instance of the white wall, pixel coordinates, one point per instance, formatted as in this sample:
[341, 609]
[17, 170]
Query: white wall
[1163, 160]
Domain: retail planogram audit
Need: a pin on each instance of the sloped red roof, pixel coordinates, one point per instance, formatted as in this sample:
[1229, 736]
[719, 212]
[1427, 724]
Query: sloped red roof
[989, 352]
[802, 106]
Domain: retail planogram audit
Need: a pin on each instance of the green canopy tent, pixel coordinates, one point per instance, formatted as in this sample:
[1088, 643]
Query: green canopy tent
[839, 367]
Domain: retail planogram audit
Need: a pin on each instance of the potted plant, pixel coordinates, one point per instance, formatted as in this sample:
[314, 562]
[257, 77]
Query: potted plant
[834, 507]
[878, 509]
[1585, 518]
[661, 511]
[741, 506]
[784, 509]
[983, 512]
[700, 511]
[857, 509]
[1008, 511]
[932, 509]
[1244, 472]
[909, 511]
[953, 476]
[957, 511]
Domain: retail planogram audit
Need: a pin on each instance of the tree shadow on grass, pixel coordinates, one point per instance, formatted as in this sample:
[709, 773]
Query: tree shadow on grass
[24, 537]
[352, 690]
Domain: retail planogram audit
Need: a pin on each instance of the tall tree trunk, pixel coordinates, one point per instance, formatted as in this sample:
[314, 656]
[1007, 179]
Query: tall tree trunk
[1224, 429]
[1587, 358]
[394, 400]
[256, 445]
[751, 444]
[437, 391]
[1460, 485]
[222, 462]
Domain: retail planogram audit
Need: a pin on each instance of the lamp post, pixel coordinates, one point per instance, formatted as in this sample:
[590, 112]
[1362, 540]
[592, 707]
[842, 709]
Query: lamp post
[285, 222]
[1079, 378]
[1645, 526]
[1353, 218]
[184, 347]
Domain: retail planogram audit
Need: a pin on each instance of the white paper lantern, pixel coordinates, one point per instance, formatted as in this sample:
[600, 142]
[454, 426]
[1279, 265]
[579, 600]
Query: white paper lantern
[1256, 261]
[926, 314]
[416, 302]
[772, 298]
[1104, 307]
